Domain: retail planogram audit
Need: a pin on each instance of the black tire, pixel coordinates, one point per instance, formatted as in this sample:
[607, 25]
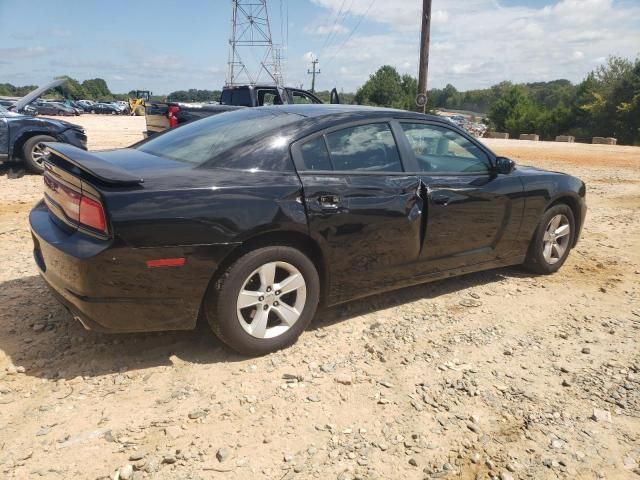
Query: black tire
[219, 306]
[60, 113]
[28, 152]
[535, 261]
[93, 111]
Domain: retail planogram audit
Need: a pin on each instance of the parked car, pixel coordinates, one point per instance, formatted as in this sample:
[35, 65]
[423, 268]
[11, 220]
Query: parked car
[85, 104]
[27, 109]
[78, 110]
[251, 219]
[104, 108]
[53, 108]
[22, 137]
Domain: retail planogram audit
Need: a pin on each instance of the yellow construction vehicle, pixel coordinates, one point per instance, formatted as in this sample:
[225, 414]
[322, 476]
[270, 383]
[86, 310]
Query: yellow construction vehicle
[137, 103]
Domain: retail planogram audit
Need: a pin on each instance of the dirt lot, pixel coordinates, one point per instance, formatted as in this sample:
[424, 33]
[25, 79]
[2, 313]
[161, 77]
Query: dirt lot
[493, 375]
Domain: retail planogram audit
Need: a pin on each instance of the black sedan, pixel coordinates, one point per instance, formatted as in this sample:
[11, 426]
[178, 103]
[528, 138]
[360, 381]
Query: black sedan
[104, 108]
[251, 219]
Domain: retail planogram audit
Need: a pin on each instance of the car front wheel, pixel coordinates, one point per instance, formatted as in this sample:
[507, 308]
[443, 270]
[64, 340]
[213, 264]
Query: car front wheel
[264, 300]
[33, 152]
[552, 240]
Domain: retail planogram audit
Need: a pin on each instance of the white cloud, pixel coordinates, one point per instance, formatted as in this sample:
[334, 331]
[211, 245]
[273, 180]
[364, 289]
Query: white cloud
[326, 29]
[19, 53]
[309, 57]
[477, 43]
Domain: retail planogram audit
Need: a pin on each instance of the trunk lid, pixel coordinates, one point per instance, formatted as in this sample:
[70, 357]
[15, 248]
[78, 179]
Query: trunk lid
[76, 182]
[90, 164]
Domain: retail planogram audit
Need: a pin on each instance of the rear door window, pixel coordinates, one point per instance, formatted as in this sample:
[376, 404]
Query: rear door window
[268, 97]
[365, 148]
[315, 155]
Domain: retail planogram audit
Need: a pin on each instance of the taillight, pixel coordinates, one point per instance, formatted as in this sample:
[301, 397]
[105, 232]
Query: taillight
[72, 206]
[92, 214]
[65, 198]
[172, 115]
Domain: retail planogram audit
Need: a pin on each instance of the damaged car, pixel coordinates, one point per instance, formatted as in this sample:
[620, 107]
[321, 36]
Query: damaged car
[22, 137]
[251, 219]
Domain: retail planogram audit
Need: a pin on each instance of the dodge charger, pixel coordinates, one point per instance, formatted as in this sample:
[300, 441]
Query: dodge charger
[252, 219]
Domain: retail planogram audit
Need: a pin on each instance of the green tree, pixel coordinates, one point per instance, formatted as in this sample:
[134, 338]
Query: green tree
[96, 89]
[383, 89]
[70, 89]
[194, 95]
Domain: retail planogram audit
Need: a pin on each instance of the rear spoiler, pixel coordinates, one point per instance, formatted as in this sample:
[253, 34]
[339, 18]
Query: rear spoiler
[92, 164]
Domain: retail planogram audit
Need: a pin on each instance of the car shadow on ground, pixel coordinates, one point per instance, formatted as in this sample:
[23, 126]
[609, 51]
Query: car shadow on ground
[13, 171]
[39, 334]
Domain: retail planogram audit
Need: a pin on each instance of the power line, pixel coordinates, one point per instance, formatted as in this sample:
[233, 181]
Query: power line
[332, 29]
[351, 34]
[334, 33]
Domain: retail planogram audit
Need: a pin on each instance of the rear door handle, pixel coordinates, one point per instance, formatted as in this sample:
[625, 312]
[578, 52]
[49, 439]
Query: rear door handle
[329, 201]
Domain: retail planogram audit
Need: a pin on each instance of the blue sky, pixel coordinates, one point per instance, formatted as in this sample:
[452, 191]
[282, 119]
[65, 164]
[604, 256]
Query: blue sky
[166, 45]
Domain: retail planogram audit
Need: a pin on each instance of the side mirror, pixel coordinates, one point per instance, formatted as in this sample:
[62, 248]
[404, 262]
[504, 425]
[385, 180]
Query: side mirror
[505, 165]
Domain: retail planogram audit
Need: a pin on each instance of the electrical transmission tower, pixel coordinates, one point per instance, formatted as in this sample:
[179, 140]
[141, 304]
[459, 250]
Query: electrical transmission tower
[251, 38]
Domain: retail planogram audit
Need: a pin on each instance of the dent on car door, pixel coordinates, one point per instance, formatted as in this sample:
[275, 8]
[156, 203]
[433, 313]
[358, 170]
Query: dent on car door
[473, 214]
[361, 206]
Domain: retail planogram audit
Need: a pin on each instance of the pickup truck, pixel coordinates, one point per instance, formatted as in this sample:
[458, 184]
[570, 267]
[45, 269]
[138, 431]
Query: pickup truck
[163, 115]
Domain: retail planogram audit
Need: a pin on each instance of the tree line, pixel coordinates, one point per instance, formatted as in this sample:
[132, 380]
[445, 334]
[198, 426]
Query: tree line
[92, 89]
[605, 104]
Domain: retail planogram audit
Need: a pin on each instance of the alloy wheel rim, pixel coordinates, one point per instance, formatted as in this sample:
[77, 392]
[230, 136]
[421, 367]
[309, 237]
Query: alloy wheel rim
[38, 153]
[271, 300]
[556, 239]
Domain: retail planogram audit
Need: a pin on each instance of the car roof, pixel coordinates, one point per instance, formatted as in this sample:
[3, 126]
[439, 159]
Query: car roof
[345, 111]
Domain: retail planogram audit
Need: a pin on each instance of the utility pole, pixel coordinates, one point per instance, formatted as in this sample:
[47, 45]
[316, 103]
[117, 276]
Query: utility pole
[421, 99]
[314, 72]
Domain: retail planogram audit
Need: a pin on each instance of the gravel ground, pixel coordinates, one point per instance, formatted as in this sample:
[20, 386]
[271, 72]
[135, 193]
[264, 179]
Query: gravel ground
[498, 374]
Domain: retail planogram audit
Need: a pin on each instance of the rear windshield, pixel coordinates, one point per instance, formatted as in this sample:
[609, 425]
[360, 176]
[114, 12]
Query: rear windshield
[203, 140]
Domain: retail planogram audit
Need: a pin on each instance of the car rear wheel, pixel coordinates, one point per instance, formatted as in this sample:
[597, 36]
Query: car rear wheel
[552, 240]
[93, 111]
[60, 112]
[33, 152]
[264, 300]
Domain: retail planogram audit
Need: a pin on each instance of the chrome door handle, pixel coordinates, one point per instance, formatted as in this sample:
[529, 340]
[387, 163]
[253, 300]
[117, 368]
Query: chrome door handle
[329, 201]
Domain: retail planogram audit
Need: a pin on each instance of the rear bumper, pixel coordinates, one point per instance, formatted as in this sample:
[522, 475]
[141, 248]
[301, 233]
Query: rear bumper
[110, 288]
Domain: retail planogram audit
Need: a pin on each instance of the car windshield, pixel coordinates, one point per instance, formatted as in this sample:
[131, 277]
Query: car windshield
[204, 139]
